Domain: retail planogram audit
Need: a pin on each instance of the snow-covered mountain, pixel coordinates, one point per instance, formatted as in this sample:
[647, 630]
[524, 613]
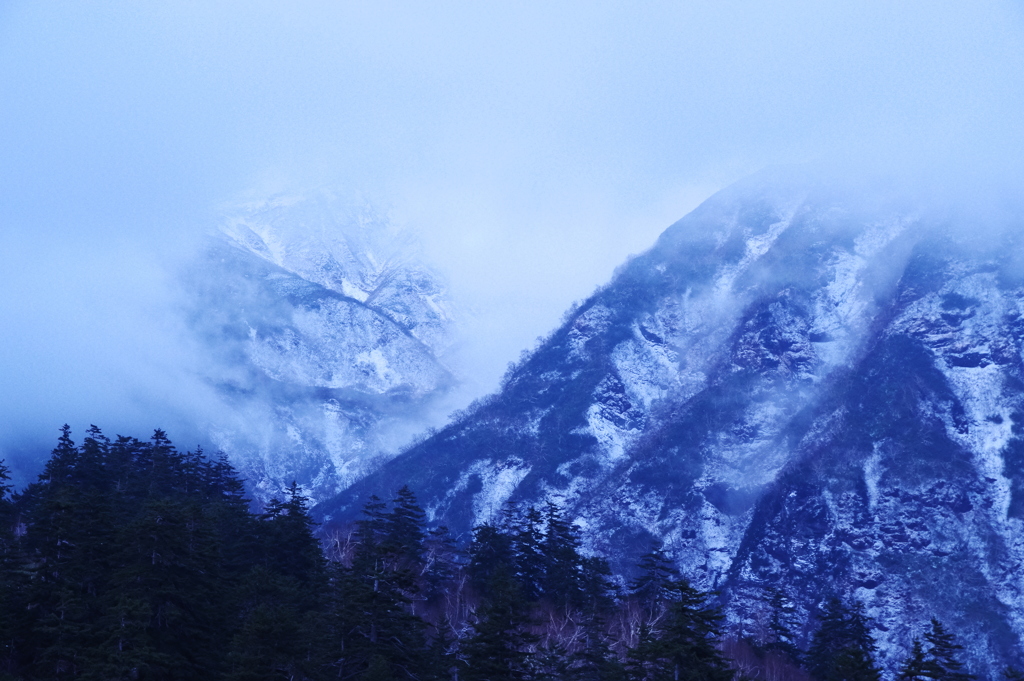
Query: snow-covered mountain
[327, 340]
[796, 386]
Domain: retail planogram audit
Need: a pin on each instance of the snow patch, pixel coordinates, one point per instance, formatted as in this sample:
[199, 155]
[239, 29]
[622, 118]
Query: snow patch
[498, 481]
[872, 474]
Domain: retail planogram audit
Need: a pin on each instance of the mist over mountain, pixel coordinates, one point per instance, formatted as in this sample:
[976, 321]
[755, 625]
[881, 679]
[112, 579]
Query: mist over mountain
[812, 382]
[803, 385]
[325, 339]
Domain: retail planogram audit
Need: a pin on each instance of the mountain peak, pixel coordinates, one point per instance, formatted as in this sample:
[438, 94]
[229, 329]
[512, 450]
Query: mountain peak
[797, 386]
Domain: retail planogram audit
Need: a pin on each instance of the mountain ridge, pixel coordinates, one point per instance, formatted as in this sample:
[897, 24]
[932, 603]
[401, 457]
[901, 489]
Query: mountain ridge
[789, 388]
[326, 341]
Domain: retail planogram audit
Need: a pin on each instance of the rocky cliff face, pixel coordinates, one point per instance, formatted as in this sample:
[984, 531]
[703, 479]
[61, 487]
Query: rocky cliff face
[327, 341]
[789, 389]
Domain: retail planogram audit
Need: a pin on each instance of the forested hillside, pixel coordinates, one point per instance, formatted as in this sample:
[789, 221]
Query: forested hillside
[132, 560]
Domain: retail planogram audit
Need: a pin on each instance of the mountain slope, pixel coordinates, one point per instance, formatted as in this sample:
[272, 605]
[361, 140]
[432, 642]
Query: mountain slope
[795, 386]
[326, 341]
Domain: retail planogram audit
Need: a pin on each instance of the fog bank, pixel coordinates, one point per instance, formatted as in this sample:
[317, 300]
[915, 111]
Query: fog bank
[532, 147]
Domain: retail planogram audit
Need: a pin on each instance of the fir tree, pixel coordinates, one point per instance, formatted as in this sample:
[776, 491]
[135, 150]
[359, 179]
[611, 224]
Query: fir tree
[63, 532]
[598, 591]
[12, 583]
[943, 654]
[781, 625]
[916, 667]
[441, 563]
[654, 586]
[531, 559]
[563, 564]
[842, 648]
[404, 528]
[371, 606]
[500, 647]
[290, 545]
[491, 551]
[594, 659]
[684, 644]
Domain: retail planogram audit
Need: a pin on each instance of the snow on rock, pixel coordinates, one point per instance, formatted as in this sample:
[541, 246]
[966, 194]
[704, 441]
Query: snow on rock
[794, 387]
[327, 340]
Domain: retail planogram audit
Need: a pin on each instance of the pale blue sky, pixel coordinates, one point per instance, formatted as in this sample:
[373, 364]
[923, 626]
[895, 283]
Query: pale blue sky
[533, 144]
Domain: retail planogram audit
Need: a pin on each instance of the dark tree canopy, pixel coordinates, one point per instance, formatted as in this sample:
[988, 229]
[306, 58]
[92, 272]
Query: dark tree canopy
[129, 559]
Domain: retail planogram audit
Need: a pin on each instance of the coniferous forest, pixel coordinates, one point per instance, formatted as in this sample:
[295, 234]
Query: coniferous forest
[129, 559]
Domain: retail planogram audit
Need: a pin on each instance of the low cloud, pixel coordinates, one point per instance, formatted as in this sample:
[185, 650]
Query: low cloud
[532, 146]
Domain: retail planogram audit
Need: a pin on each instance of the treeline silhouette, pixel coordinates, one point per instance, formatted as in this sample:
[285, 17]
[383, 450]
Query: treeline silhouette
[129, 559]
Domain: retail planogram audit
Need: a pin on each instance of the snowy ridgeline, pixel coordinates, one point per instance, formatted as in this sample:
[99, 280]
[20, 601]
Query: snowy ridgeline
[787, 390]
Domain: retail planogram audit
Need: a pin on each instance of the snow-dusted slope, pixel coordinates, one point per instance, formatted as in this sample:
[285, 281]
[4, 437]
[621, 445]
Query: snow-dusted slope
[327, 340]
[357, 254]
[788, 389]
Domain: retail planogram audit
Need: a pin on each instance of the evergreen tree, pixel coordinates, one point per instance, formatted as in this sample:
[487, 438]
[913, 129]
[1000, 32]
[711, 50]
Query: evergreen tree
[598, 591]
[531, 558]
[654, 586]
[133, 560]
[642, 657]
[12, 583]
[371, 606]
[405, 534]
[280, 638]
[290, 546]
[283, 611]
[943, 654]
[490, 552]
[168, 581]
[63, 531]
[684, 643]
[126, 546]
[842, 648]
[500, 647]
[916, 667]
[442, 562]
[563, 564]
[594, 659]
[782, 625]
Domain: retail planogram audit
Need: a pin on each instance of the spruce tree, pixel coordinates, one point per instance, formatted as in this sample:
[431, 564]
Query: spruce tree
[126, 542]
[404, 530]
[374, 627]
[531, 557]
[13, 585]
[283, 611]
[279, 637]
[594, 659]
[943, 654]
[291, 548]
[563, 564]
[686, 640]
[598, 591]
[842, 648]
[915, 667]
[402, 549]
[168, 576]
[782, 624]
[63, 591]
[642, 657]
[442, 562]
[654, 585]
[500, 648]
[491, 551]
